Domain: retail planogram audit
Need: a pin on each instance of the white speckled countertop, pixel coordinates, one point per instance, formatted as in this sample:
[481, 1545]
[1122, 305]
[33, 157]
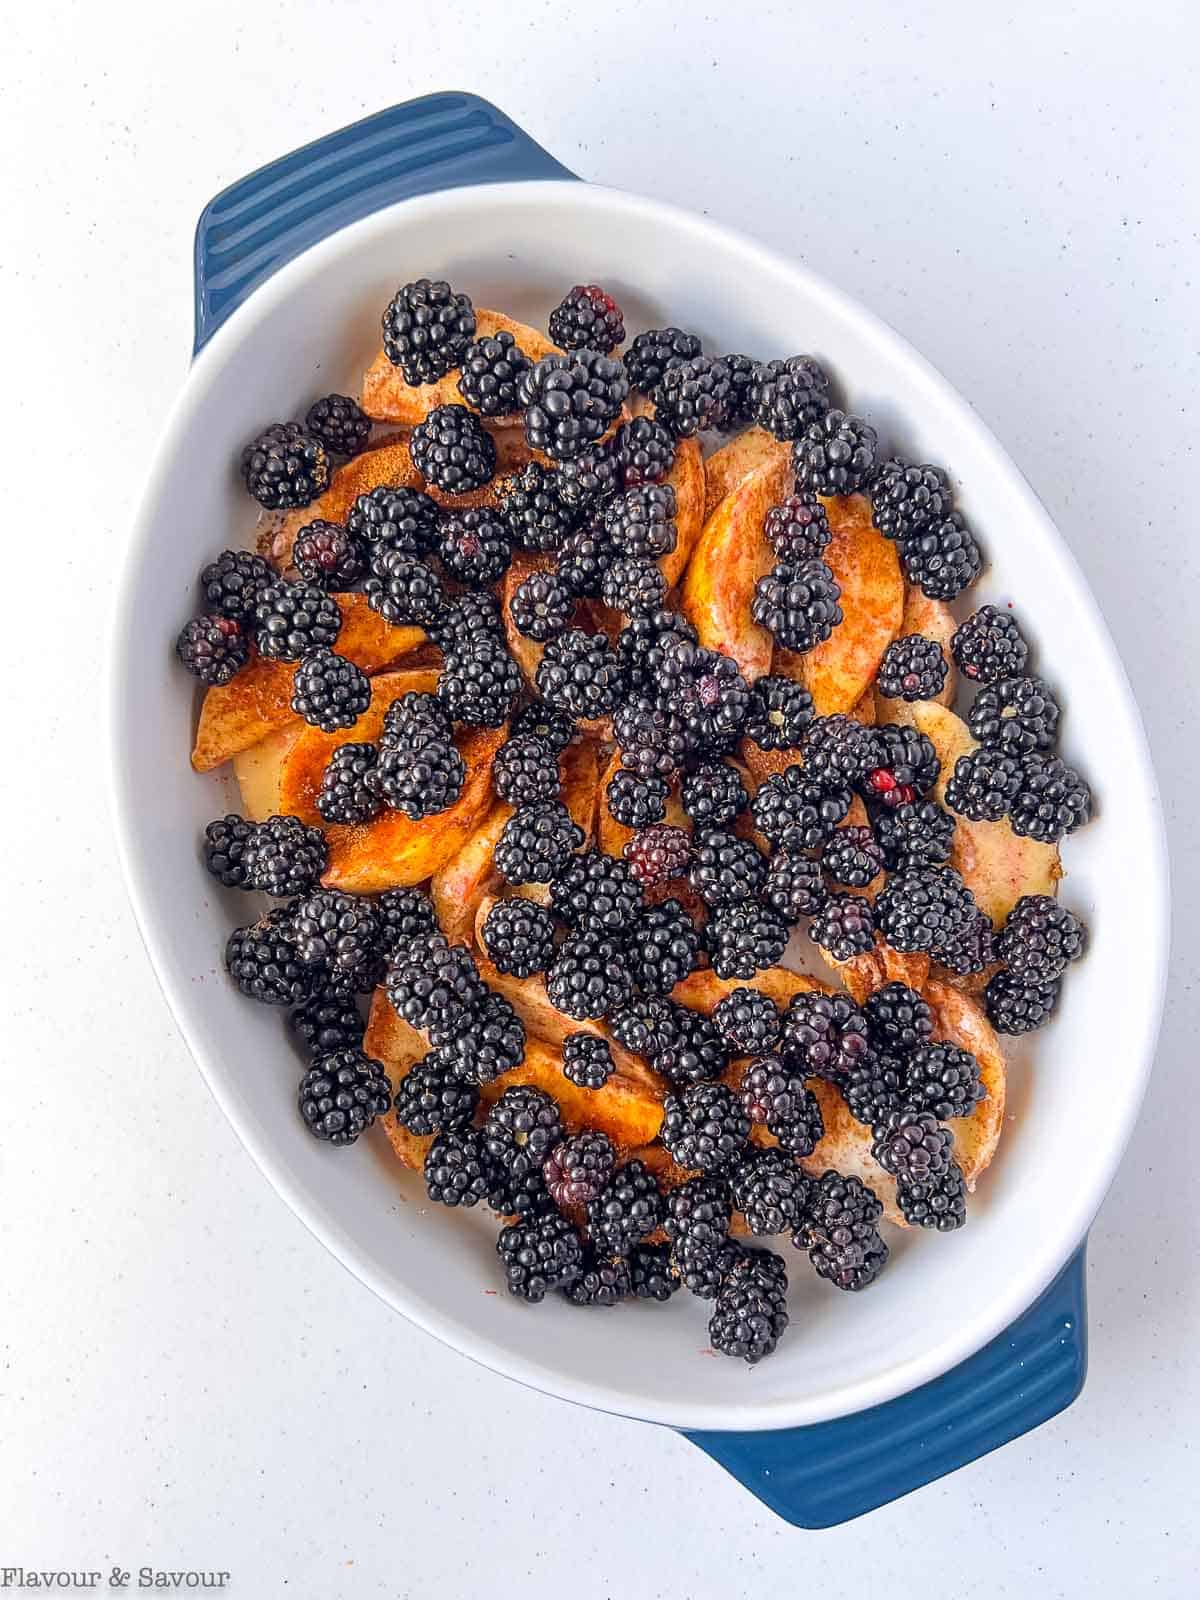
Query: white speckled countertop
[186, 1378]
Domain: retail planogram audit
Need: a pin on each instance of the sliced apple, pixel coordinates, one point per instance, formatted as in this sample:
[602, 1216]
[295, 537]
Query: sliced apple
[626, 1110]
[257, 771]
[386, 397]
[613, 836]
[686, 477]
[390, 1040]
[838, 672]
[457, 888]
[577, 768]
[526, 652]
[703, 990]
[745, 453]
[997, 865]
[846, 1147]
[959, 1019]
[934, 620]
[865, 973]
[731, 555]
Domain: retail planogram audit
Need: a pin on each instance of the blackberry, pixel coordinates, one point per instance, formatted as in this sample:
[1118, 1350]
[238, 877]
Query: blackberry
[588, 977]
[841, 1232]
[452, 449]
[395, 519]
[553, 728]
[342, 1094]
[697, 1216]
[577, 1169]
[632, 585]
[798, 605]
[744, 939]
[940, 1203]
[432, 1098]
[797, 529]
[262, 960]
[488, 1041]
[898, 1019]
[652, 742]
[283, 857]
[695, 1052]
[776, 1094]
[908, 765]
[914, 835]
[835, 455]
[340, 423]
[913, 668]
[972, 949]
[663, 947]
[329, 692]
[751, 1313]
[224, 841]
[588, 481]
[525, 770]
[491, 369]
[468, 620]
[770, 1190]
[411, 719]
[421, 778]
[456, 1168]
[645, 451]
[780, 710]
[706, 691]
[474, 547]
[586, 318]
[433, 985]
[1054, 800]
[213, 649]
[602, 1281]
[540, 1254]
[629, 1206]
[293, 618]
[597, 893]
[536, 843]
[852, 856]
[794, 813]
[641, 522]
[640, 647]
[339, 932]
[1038, 942]
[913, 1145]
[844, 927]
[579, 673]
[1018, 715]
[648, 1025]
[285, 466]
[636, 802]
[702, 1272]
[692, 396]
[659, 854]
[748, 1021]
[875, 1087]
[519, 1192]
[570, 400]
[650, 1275]
[743, 373]
[824, 1035]
[788, 395]
[905, 499]
[985, 783]
[518, 936]
[426, 329]
[1016, 1006]
[328, 1021]
[942, 559]
[925, 909]
[705, 1127]
[404, 914]
[587, 1060]
[714, 794]
[584, 557]
[795, 887]
[480, 682]
[989, 646]
[839, 752]
[329, 556]
[231, 583]
[943, 1079]
[523, 1127]
[726, 869]
[650, 354]
[535, 516]
[541, 606]
[403, 590]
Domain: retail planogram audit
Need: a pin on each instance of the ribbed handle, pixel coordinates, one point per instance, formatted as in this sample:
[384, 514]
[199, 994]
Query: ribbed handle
[819, 1476]
[441, 141]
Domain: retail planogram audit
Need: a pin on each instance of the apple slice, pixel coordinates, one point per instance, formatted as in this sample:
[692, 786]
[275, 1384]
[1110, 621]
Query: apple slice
[959, 1019]
[745, 453]
[526, 652]
[457, 888]
[703, 990]
[934, 620]
[386, 397]
[997, 865]
[686, 477]
[838, 672]
[399, 1047]
[258, 769]
[731, 555]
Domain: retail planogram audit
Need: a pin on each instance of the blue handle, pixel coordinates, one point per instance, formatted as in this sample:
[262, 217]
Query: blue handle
[442, 141]
[817, 1476]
